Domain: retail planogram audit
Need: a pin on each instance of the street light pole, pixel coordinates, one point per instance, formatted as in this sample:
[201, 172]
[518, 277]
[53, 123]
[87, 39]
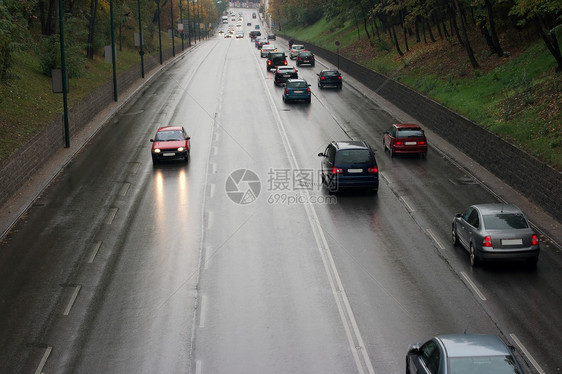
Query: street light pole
[141, 50]
[63, 75]
[172, 26]
[113, 51]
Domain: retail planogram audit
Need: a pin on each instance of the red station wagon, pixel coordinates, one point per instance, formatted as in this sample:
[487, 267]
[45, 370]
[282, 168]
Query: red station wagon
[405, 138]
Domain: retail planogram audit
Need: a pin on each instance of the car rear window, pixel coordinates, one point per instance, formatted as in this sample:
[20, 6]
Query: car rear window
[298, 85]
[331, 73]
[354, 156]
[407, 132]
[165, 136]
[504, 221]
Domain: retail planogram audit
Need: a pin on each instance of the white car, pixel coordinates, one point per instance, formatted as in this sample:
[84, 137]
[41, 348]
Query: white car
[295, 49]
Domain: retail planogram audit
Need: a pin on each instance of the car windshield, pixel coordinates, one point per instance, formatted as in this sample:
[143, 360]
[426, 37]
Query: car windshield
[483, 365]
[504, 221]
[354, 156]
[298, 85]
[409, 132]
[166, 136]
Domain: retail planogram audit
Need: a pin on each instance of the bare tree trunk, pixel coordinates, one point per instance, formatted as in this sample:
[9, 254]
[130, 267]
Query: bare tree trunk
[494, 35]
[404, 30]
[429, 30]
[551, 42]
[464, 33]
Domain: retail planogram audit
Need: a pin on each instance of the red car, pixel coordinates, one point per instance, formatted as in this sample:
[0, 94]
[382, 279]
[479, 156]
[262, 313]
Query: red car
[405, 138]
[170, 143]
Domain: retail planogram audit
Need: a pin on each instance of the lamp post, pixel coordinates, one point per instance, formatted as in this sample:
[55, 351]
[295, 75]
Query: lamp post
[172, 26]
[159, 32]
[113, 51]
[182, 28]
[63, 75]
[141, 50]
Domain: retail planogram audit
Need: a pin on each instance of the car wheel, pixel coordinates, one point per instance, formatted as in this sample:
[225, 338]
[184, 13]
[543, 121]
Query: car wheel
[154, 161]
[454, 238]
[320, 85]
[312, 64]
[308, 100]
[339, 87]
[474, 259]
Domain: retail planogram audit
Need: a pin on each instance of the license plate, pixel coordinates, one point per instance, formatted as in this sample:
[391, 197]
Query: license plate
[354, 170]
[512, 241]
[298, 91]
[286, 75]
[168, 154]
[410, 143]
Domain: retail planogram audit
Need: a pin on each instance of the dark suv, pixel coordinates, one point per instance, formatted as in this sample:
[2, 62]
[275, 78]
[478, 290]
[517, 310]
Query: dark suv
[275, 59]
[305, 57]
[284, 73]
[254, 34]
[349, 164]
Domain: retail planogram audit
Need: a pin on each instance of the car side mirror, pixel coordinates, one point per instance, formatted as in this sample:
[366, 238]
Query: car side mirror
[386, 132]
[152, 140]
[188, 137]
[321, 155]
[415, 351]
[309, 85]
[458, 215]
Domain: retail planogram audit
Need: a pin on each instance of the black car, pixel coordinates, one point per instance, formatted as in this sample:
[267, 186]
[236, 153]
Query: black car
[284, 73]
[271, 37]
[349, 164]
[305, 57]
[275, 59]
[329, 78]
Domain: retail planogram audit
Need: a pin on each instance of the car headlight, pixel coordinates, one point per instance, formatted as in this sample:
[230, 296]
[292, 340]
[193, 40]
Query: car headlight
[156, 150]
[180, 149]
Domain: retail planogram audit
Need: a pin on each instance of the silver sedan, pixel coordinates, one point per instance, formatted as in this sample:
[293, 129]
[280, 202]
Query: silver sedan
[495, 232]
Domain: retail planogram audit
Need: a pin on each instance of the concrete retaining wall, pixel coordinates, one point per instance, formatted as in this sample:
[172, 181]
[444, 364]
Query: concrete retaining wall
[534, 179]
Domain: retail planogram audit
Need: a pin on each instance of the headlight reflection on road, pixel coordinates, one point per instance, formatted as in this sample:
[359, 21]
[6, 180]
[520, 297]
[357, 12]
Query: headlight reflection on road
[171, 199]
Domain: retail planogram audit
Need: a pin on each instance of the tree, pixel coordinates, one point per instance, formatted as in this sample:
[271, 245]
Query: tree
[546, 15]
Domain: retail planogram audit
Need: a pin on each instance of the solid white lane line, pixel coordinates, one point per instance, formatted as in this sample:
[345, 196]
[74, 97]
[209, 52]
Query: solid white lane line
[72, 300]
[198, 367]
[111, 215]
[473, 286]
[526, 352]
[95, 248]
[212, 188]
[385, 177]
[43, 360]
[434, 238]
[355, 340]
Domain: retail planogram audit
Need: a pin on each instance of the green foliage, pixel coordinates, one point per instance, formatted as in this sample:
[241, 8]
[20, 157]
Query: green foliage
[11, 37]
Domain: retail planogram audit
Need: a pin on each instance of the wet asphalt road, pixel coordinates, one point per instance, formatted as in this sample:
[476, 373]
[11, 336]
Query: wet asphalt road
[121, 266]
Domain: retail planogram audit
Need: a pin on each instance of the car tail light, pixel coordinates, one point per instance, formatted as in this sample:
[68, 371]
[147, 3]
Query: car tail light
[285, 62]
[336, 170]
[268, 62]
[487, 242]
[339, 78]
[535, 240]
[421, 142]
[286, 90]
[399, 142]
[308, 89]
[322, 78]
[374, 170]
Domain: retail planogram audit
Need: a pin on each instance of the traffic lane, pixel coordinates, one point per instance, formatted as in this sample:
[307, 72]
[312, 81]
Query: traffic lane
[46, 249]
[138, 313]
[265, 302]
[433, 190]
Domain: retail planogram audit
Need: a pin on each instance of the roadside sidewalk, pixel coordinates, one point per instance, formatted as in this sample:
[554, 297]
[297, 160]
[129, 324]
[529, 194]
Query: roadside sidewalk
[28, 193]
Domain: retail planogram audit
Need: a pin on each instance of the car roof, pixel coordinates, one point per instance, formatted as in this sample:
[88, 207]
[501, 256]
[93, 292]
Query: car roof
[329, 70]
[473, 345]
[350, 144]
[170, 128]
[298, 45]
[296, 80]
[495, 208]
[407, 126]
